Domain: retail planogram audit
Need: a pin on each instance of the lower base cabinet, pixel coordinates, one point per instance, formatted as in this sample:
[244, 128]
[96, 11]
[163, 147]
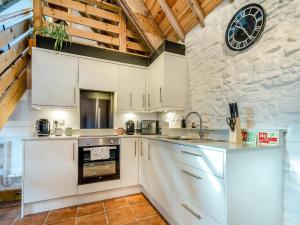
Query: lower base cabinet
[50, 169]
[129, 164]
[186, 213]
[156, 164]
[203, 189]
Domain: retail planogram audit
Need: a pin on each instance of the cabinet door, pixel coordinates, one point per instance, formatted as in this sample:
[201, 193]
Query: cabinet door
[139, 96]
[144, 165]
[125, 88]
[54, 75]
[97, 75]
[50, 169]
[129, 162]
[161, 177]
[173, 90]
[155, 79]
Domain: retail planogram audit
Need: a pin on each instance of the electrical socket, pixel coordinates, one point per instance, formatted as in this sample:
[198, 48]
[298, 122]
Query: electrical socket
[59, 122]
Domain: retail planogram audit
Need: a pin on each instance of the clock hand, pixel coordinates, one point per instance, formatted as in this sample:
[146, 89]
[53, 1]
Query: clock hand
[243, 29]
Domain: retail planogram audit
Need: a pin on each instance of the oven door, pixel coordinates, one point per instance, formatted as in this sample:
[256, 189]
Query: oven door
[94, 166]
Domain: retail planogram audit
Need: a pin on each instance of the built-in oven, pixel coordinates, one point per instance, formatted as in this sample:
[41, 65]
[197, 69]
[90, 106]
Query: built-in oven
[99, 160]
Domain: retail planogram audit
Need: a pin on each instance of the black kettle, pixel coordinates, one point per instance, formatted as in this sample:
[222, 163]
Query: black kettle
[43, 127]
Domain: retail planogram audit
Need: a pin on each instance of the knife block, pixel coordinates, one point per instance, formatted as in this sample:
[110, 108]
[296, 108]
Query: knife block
[236, 135]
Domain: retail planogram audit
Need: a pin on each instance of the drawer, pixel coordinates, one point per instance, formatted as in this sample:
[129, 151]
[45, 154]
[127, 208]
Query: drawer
[207, 160]
[186, 213]
[206, 191]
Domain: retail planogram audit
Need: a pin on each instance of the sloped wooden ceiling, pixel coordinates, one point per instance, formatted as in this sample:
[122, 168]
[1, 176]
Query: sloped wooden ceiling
[186, 13]
[131, 26]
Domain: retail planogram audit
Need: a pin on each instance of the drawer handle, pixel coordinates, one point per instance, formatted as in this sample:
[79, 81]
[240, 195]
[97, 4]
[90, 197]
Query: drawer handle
[191, 211]
[191, 174]
[190, 153]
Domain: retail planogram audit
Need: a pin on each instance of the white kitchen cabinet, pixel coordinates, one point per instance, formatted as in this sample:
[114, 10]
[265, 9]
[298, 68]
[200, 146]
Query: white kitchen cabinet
[125, 82]
[97, 75]
[205, 190]
[155, 83]
[139, 89]
[50, 169]
[54, 79]
[131, 88]
[161, 180]
[144, 164]
[129, 162]
[186, 213]
[156, 165]
[166, 83]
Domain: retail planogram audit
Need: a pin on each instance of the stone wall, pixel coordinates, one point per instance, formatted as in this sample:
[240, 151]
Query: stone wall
[264, 80]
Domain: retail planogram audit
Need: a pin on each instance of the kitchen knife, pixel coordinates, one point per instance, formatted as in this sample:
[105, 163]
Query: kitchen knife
[236, 110]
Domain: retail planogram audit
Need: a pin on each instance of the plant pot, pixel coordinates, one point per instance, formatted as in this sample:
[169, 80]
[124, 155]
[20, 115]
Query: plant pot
[31, 43]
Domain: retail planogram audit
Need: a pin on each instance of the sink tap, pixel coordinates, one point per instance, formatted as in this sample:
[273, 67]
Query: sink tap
[201, 130]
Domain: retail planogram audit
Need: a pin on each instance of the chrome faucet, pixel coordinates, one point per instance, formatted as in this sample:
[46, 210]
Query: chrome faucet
[201, 130]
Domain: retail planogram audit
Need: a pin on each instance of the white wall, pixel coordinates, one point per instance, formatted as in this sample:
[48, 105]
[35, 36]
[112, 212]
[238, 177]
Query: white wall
[264, 80]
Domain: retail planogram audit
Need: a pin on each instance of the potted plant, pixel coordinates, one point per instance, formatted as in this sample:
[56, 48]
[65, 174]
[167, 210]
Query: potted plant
[54, 31]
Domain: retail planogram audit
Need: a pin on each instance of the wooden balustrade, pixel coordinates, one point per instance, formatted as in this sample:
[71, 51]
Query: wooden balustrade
[103, 23]
[14, 58]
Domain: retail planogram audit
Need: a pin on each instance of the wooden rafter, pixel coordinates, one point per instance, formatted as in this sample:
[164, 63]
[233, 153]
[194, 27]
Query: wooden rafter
[123, 28]
[186, 17]
[172, 19]
[142, 20]
[198, 11]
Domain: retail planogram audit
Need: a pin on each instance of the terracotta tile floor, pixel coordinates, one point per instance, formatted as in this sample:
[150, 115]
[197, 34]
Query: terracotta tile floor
[129, 210]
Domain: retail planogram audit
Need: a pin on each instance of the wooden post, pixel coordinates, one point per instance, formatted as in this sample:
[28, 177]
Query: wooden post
[37, 14]
[122, 35]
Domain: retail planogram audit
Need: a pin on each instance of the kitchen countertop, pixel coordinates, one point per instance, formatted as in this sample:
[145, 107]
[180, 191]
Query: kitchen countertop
[207, 144]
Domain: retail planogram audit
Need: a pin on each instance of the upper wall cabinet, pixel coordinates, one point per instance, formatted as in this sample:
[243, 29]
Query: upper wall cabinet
[97, 75]
[131, 88]
[54, 79]
[166, 83]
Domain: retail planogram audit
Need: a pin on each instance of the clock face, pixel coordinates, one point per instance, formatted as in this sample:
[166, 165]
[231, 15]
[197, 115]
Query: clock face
[245, 27]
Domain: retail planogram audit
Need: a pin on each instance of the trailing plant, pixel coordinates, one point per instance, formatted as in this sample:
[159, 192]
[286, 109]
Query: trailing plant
[57, 32]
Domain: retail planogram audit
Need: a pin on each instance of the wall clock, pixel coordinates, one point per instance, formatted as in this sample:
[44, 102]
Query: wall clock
[245, 27]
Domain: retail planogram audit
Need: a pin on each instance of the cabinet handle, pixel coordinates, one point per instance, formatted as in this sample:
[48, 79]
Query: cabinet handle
[149, 156]
[73, 151]
[148, 100]
[74, 95]
[190, 153]
[191, 211]
[191, 174]
[160, 95]
[135, 148]
[130, 100]
[141, 149]
[143, 101]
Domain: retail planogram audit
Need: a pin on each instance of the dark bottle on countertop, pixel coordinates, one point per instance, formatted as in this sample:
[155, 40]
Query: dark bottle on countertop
[183, 123]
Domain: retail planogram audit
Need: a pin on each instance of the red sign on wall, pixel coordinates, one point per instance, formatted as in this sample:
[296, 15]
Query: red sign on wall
[268, 138]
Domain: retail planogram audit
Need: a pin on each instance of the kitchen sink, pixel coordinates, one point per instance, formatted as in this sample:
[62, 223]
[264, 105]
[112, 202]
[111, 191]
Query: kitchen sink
[189, 139]
[180, 138]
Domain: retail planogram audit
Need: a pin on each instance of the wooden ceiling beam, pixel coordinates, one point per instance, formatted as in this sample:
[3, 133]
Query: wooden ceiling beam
[171, 17]
[140, 17]
[198, 11]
